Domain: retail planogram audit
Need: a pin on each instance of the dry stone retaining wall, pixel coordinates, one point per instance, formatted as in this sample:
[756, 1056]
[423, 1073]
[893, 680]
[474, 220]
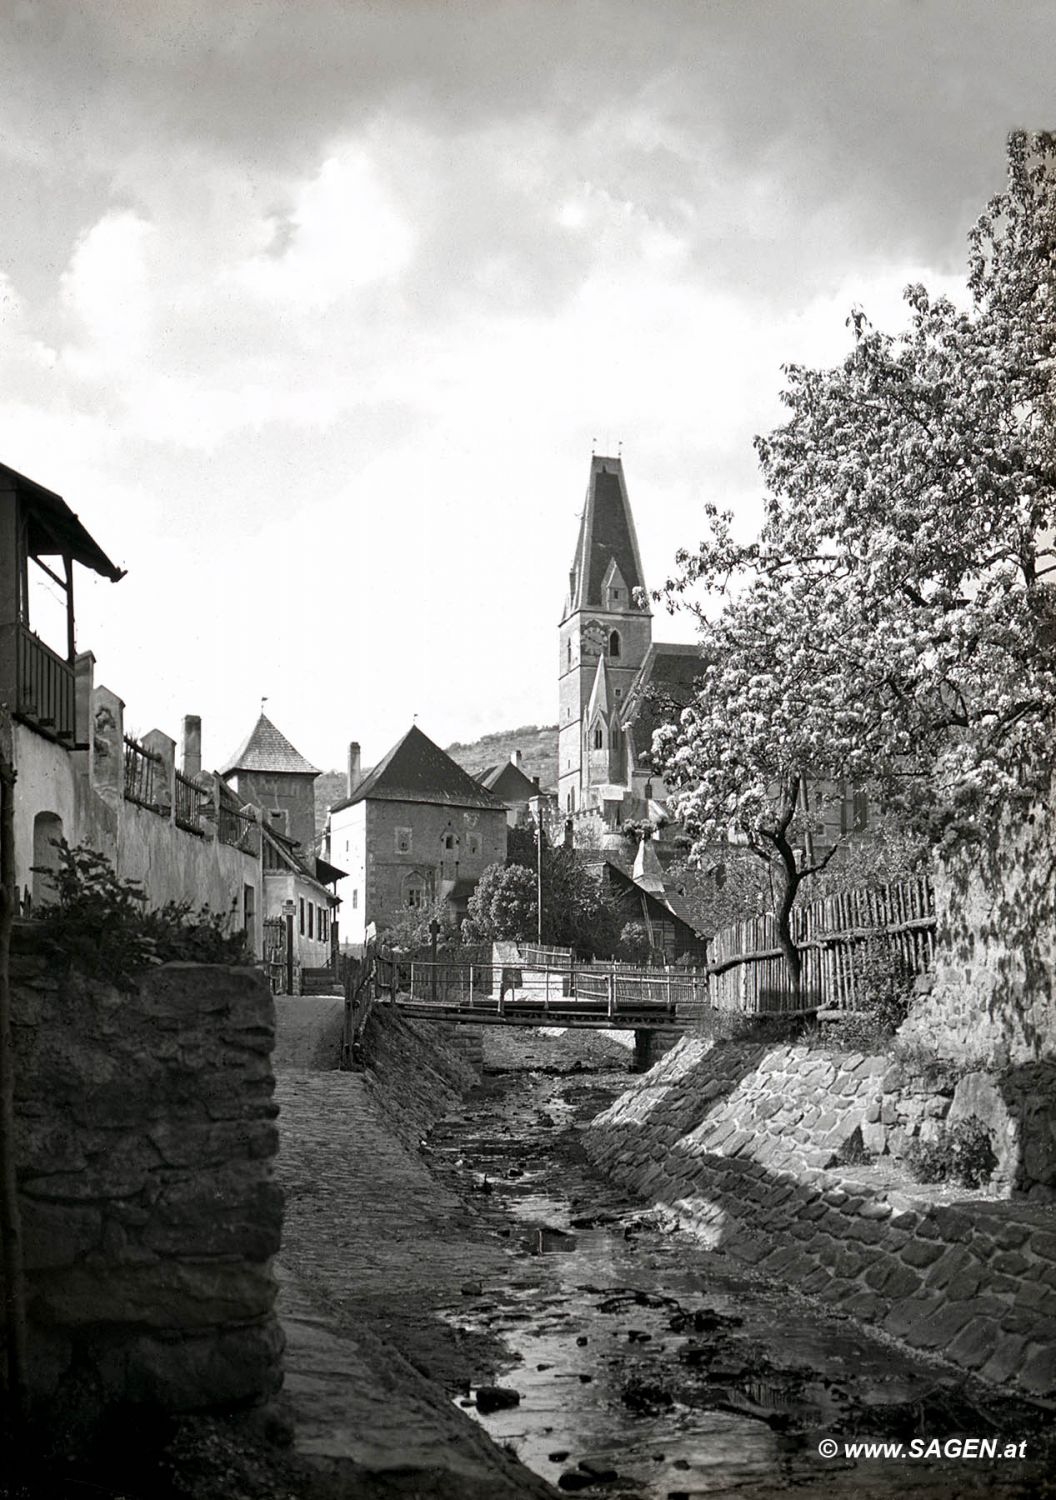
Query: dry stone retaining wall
[145, 1132]
[743, 1142]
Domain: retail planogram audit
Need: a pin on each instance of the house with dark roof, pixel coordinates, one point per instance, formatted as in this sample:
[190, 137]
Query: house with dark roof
[82, 777]
[416, 830]
[520, 793]
[300, 898]
[615, 683]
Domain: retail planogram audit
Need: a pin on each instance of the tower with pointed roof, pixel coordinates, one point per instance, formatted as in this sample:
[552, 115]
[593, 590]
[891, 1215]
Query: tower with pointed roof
[269, 771]
[604, 637]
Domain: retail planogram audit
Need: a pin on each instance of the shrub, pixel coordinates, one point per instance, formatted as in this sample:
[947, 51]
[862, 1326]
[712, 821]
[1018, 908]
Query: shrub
[101, 925]
[962, 1153]
[634, 945]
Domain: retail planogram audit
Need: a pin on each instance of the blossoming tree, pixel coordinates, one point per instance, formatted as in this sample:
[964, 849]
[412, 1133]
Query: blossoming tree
[893, 625]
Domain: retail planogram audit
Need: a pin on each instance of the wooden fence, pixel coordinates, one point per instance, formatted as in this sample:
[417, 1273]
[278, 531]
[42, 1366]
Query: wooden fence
[840, 939]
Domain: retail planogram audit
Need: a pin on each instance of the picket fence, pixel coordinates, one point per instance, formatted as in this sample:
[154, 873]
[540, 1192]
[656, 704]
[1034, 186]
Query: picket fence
[840, 939]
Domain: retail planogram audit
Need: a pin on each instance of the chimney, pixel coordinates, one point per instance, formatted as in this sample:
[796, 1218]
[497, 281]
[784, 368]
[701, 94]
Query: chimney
[535, 782]
[515, 758]
[353, 767]
[192, 745]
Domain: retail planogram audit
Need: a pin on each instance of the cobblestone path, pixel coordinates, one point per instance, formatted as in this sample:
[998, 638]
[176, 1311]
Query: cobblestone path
[372, 1246]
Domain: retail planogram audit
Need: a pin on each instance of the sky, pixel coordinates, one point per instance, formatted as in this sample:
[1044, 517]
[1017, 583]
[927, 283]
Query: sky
[314, 312]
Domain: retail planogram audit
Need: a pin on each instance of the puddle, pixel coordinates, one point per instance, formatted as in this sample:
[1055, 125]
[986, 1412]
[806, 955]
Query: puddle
[640, 1356]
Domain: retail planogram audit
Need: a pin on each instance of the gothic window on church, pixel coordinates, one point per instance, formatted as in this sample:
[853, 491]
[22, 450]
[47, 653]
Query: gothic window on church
[614, 643]
[599, 738]
[615, 739]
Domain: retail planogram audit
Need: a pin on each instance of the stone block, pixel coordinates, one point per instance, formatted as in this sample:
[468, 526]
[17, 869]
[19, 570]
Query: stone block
[1038, 1372]
[186, 1373]
[1006, 1358]
[169, 1295]
[908, 1313]
[937, 1329]
[58, 1234]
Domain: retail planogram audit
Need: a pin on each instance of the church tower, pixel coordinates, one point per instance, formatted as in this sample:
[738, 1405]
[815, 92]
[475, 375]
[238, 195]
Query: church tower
[603, 640]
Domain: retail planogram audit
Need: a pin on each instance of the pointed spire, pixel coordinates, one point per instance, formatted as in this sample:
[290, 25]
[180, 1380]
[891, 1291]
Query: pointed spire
[268, 749]
[647, 871]
[606, 537]
[599, 695]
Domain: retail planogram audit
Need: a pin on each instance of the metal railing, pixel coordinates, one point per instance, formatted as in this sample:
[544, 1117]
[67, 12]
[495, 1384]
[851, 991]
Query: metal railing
[190, 799]
[46, 693]
[143, 775]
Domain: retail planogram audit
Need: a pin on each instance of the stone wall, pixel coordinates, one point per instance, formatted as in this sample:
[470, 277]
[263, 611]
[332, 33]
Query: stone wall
[145, 1136]
[994, 997]
[743, 1142]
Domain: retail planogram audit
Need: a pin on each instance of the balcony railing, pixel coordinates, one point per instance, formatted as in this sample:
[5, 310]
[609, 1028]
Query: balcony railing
[190, 798]
[144, 771]
[46, 695]
[235, 828]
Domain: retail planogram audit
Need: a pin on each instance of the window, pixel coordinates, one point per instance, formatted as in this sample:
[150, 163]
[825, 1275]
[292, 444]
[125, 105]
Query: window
[614, 643]
[570, 653]
[474, 843]
[302, 916]
[403, 841]
[615, 596]
[599, 738]
[311, 919]
[615, 739]
[450, 842]
[415, 896]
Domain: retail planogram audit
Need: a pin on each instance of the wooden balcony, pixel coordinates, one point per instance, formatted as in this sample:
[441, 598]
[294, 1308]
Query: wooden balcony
[45, 693]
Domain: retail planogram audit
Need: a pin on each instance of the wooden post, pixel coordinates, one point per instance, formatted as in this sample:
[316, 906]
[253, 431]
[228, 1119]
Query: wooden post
[10, 1215]
[610, 980]
[434, 933]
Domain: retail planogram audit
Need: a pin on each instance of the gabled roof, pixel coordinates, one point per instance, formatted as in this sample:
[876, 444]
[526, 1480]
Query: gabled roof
[54, 528]
[663, 686]
[416, 770]
[606, 536]
[508, 782]
[307, 866]
[267, 749]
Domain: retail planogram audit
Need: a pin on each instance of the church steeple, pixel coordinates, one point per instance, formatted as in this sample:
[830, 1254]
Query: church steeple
[606, 568]
[603, 639]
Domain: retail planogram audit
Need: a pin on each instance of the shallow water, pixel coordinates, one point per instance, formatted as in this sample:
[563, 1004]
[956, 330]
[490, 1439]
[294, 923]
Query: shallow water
[640, 1356]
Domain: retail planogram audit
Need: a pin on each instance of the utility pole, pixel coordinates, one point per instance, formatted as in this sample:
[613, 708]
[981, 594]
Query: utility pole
[537, 810]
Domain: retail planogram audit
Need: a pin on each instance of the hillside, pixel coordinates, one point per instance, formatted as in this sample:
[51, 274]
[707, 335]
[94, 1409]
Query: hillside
[537, 744]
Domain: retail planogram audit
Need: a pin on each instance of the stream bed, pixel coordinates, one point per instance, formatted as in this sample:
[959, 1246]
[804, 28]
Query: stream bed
[640, 1364]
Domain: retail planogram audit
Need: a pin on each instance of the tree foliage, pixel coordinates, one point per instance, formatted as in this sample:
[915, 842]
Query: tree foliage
[893, 625]
[578, 911]
[503, 904]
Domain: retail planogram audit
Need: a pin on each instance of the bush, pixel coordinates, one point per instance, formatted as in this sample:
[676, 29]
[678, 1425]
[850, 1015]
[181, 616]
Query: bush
[100, 923]
[634, 946]
[962, 1153]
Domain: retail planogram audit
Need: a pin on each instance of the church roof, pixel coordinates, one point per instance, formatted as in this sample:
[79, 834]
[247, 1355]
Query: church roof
[416, 770]
[606, 536]
[664, 685]
[508, 782]
[268, 749]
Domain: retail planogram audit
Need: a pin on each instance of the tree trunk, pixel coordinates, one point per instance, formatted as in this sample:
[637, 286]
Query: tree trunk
[10, 1218]
[790, 879]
